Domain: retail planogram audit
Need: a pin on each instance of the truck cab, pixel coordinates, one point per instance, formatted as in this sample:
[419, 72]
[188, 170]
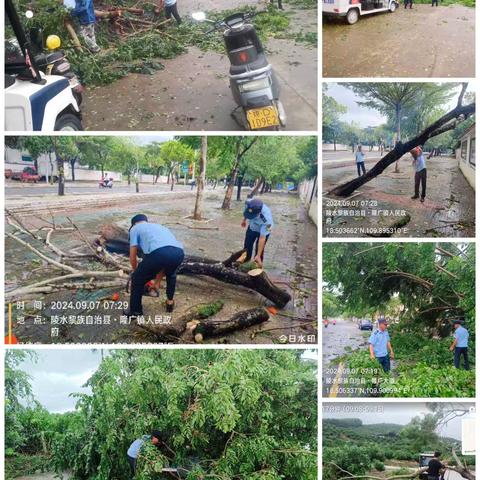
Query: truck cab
[351, 10]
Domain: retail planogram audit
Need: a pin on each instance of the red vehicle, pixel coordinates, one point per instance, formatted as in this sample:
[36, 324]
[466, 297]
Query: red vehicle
[29, 174]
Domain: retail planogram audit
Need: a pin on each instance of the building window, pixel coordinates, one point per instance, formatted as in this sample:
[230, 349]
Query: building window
[463, 150]
[471, 158]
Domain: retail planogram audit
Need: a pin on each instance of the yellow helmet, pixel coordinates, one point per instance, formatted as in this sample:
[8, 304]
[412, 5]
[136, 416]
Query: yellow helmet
[53, 42]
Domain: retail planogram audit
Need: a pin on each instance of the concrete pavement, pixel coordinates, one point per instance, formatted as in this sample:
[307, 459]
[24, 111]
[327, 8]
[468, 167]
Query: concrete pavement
[383, 207]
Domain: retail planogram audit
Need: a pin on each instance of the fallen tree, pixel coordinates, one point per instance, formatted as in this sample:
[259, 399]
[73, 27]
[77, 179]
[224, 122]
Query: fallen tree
[256, 280]
[447, 122]
[115, 238]
[240, 321]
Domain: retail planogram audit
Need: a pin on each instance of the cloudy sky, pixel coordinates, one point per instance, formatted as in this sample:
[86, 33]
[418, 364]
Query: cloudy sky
[364, 117]
[146, 139]
[399, 413]
[58, 373]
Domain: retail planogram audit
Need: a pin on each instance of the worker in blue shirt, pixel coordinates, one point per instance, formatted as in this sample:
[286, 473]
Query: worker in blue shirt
[163, 254]
[360, 161]
[420, 173]
[134, 449]
[460, 344]
[260, 224]
[380, 345]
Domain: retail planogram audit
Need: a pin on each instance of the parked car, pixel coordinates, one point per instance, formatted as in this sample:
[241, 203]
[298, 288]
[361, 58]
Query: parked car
[365, 324]
[29, 174]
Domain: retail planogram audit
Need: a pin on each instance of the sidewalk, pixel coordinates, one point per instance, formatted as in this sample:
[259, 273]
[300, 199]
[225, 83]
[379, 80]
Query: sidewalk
[383, 207]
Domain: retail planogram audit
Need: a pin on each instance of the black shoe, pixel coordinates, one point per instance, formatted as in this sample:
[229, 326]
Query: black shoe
[414, 197]
[169, 307]
[422, 199]
[131, 315]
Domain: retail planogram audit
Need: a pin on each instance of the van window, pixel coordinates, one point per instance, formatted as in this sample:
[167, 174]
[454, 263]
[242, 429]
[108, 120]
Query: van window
[471, 158]
[463, 151]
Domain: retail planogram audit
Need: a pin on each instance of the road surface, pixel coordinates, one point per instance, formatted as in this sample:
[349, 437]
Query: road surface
[448, 210]
[192, 92]
[441, 43]
[17, 189]
[338, 340]
[290, 260]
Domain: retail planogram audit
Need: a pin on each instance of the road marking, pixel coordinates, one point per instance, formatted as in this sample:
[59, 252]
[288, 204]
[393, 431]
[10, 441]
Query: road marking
[334, 389]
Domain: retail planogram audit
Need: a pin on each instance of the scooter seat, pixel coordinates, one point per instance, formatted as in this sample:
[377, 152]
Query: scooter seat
[9, 80]
[260, 62]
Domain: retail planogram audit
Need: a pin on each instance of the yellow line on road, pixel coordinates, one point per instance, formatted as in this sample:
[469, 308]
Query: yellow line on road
[334, 389]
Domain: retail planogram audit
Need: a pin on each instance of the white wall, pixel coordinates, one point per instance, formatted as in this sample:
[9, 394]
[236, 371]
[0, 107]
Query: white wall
[465, 166]
[308, 191]
[328, 147]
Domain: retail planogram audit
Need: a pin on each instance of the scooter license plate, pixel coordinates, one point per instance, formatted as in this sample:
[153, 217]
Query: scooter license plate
[263, 117]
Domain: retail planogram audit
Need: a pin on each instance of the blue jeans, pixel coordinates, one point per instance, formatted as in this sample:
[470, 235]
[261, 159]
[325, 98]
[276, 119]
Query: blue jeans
[133, 465]
[166, 259]
[251, 240]
[361, 167]
[385, 363]
[459, 351]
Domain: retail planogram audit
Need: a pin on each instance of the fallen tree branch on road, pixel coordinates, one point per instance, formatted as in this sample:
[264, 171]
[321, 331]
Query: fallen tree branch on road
[240, 321]
[447, 122]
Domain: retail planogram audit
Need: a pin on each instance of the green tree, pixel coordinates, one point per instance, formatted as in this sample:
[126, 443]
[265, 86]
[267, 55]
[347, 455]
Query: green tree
[173, 153]
[331, 114]
[225, 414]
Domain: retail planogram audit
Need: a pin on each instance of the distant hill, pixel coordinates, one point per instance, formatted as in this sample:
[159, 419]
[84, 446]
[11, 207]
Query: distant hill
[358, 426]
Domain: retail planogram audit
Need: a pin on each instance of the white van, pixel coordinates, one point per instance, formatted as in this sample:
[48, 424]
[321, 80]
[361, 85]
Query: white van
[352, 9]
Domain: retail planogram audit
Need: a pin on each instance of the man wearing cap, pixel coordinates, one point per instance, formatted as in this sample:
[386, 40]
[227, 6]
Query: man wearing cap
[380, 345]
[163, 254]
[420, 173]
[260, 224]
[460, 345]
[134, 450]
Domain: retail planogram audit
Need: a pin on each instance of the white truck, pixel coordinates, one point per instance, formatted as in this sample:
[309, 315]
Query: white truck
[353, 9]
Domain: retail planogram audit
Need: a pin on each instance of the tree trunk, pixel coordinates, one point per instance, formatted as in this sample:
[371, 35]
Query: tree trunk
[197, 212]
[233, 179]
[257, 187]
[115, 239]
[240, 321]
[444, 124]
[137, 185]
[72, 166]
[259, 283]
[128, 179]
[239, 187]
[61, 176]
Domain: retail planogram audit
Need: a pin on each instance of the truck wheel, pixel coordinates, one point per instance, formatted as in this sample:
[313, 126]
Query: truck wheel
[352, 16]
[393, 7]
[68, 122]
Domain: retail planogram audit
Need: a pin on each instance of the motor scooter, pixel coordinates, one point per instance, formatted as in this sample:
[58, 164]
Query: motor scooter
[254, 85]
[106, 183]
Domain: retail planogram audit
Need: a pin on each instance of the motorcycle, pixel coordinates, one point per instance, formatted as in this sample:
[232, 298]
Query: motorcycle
[47, 56]
[253, 82]
[107, 183]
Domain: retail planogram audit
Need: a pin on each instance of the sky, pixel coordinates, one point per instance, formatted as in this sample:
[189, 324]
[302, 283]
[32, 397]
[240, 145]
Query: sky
[58, 373]
[398, 413]
[364, 117]
[146, 139]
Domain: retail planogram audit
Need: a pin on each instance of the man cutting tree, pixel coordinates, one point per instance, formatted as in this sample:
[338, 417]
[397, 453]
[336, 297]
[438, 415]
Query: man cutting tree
[260, 224]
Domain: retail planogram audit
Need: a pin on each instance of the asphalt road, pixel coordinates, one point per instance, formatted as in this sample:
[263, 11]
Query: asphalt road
[17, 189]
[336, 341]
